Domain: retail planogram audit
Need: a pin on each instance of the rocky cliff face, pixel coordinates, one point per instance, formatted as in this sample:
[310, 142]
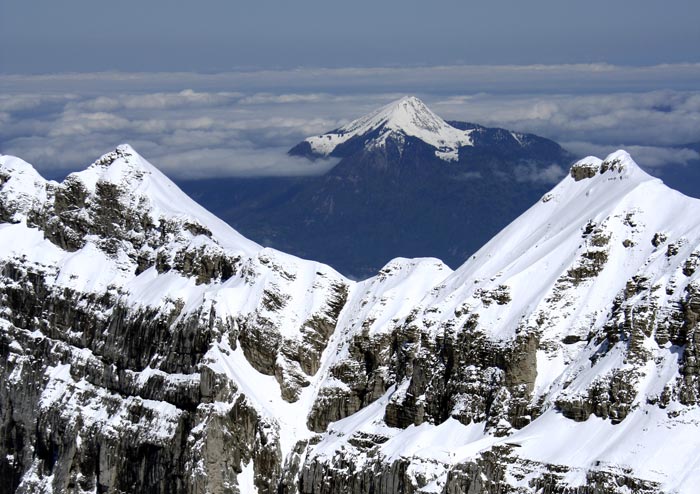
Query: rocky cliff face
[116, 334]
[147, 347]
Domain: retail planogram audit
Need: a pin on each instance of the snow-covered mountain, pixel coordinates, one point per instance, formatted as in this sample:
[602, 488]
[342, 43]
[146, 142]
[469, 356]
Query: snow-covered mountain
[151, 348]
[404, 180]
[402, 121]
[406, 117]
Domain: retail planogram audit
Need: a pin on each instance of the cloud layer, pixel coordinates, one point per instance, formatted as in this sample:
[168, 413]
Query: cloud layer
[241, 124]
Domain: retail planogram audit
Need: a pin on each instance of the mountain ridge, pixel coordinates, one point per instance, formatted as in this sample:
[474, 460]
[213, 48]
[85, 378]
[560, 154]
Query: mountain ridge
[391, 195]
[146, 354]
[406, 117]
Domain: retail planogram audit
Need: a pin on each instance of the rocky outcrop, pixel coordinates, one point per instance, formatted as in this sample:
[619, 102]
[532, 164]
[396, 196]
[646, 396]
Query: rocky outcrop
[689, 336]
[342, 477]
[118, 398]
[463, 375]
[151, 349]
[495, 470]
[111, 387]
[585, 169]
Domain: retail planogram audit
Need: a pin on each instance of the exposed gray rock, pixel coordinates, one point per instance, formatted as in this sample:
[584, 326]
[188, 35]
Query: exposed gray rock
[582, 170]
[106, 387]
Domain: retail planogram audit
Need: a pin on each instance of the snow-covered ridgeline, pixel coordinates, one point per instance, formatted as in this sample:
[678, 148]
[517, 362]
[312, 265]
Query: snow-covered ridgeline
[583, 290]
[596, 273]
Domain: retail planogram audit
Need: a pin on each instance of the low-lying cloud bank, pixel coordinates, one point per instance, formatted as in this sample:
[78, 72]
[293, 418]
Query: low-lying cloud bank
[242, 123]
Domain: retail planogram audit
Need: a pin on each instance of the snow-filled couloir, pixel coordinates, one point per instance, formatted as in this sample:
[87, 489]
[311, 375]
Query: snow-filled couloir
[150, 347]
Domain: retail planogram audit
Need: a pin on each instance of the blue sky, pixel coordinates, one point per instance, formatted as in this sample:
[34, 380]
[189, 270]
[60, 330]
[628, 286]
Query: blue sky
[222, 35]
[223, 88]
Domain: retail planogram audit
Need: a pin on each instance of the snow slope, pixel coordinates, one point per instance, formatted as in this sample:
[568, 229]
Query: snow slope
[128, 170]
[407, 116]
[643, 231]
[561, 352]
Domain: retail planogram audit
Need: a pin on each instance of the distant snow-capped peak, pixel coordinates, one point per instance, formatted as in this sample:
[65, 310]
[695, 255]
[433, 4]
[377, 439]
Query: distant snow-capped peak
[406, 117]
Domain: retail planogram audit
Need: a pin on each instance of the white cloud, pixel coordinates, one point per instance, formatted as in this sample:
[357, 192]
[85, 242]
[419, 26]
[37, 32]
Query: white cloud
[214, 162]
[26, 101]
[266, 98]
[660, 118]
[72, 124]
[548, 175]
[242, 123]
[156, 101]
[646, 156]
[454, 79]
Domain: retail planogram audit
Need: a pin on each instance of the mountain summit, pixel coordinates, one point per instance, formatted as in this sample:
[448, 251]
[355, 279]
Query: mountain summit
[407, 183]
[406, 117]
[147, 347]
